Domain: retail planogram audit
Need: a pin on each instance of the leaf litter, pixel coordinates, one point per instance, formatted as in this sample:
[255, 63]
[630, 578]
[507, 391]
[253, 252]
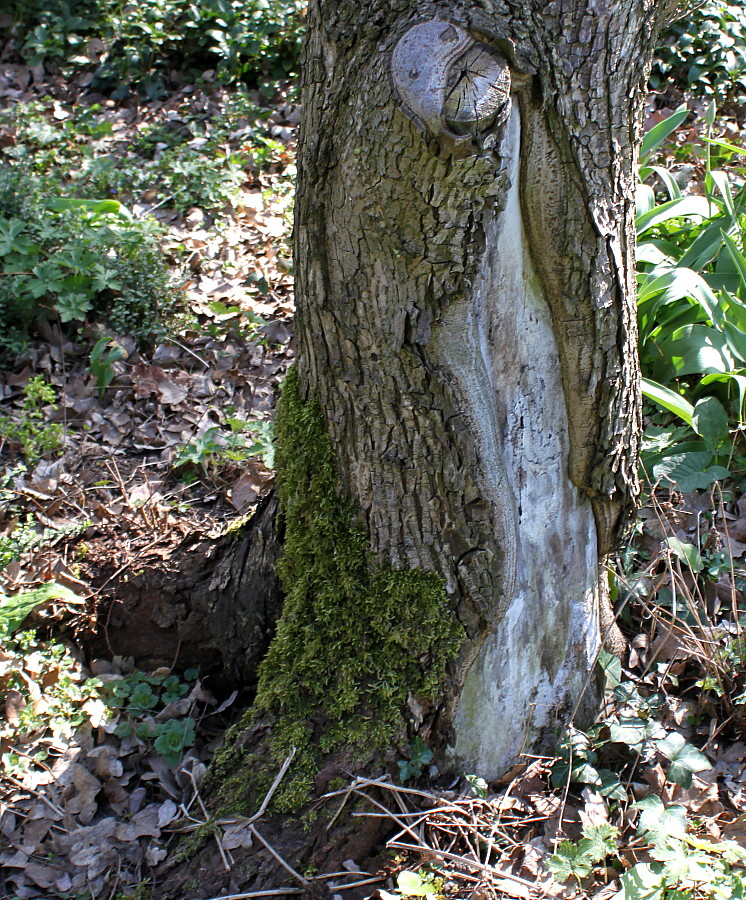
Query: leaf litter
[93, 807]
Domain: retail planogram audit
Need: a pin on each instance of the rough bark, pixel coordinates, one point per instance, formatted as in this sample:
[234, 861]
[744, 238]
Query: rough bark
[465, 293]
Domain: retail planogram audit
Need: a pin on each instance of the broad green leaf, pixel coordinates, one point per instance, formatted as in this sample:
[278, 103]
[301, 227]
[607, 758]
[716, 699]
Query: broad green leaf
[668, 399]
[738, 258]
[690, 471]
[685, 759]
[97, 207]
[721, 180]
[674, 191]
[710, 421]
[412, 884]
[730, 308]
[642, 882]
[710, 114]
[14, 609]
[687, 553]
[685, 207]
[724, 377]
[707, 244]
[670, 284]
[655, 252]
[736, 341]
[698, 349]
[644, 200]
[726, 146]
[223, 311]
[658, 133]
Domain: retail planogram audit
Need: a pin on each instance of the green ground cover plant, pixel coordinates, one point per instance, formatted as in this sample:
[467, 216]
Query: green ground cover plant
[683, 867]
[216, 447]
[73, 260]
[138, 698]
[180, 167]
[31, 434]
[680, 864]
[127, 45]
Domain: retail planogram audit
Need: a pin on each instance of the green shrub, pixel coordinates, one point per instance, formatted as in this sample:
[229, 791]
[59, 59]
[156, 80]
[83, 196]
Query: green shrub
[705, 53]
[142, 41]
[77, 260]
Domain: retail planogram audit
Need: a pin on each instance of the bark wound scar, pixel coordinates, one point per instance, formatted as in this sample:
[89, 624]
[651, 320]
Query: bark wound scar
[448, 82]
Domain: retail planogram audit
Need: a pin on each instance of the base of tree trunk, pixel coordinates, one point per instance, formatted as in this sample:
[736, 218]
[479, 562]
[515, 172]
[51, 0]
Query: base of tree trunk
[211, 604]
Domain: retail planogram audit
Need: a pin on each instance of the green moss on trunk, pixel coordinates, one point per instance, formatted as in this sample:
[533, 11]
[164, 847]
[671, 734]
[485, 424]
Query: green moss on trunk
[355, 636]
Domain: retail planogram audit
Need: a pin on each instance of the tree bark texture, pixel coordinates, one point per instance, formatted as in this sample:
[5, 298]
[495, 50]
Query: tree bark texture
[465, 293]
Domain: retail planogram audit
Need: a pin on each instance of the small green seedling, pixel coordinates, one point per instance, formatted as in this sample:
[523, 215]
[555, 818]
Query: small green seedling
[421, 756]
[415, 884]
[103, 356]
[35, 436]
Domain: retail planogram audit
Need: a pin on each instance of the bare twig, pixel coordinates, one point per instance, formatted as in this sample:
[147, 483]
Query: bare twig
[356, 884]
[280, 860]
[276, 892]
[394, 818]
[275, 784]
[186, 349]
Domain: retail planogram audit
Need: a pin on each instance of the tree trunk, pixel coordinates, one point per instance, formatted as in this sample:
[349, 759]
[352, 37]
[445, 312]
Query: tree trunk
[457, 448]
[466, 319]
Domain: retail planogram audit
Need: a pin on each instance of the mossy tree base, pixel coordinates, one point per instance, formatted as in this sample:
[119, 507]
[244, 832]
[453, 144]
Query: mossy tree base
[358, 644]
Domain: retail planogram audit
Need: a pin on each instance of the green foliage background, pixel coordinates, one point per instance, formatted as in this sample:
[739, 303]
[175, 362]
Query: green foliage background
[138, 43]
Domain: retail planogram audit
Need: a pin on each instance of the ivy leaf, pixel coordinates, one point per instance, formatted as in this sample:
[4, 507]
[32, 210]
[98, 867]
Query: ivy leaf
[570, 859]
[582, 772]
[628, 730]
[685, 759]
[611, 786]
[611, 666]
